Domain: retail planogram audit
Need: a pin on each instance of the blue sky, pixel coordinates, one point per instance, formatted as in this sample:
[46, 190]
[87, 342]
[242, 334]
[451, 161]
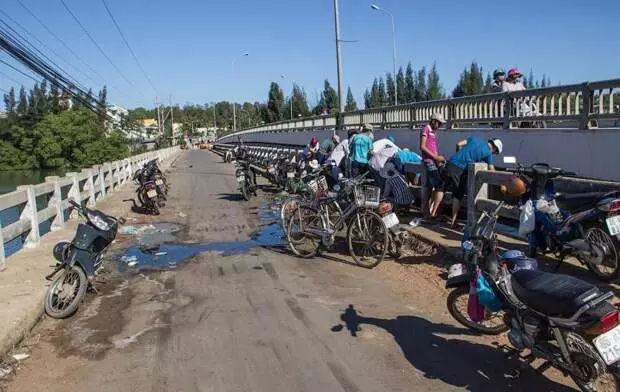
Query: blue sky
[187, 46]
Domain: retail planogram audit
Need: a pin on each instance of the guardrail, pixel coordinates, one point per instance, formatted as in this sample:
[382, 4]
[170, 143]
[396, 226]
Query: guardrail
[582, 106]
[49, 201]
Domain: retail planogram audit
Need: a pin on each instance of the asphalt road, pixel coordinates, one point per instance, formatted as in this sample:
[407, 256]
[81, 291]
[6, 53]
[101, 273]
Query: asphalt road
[257, 319]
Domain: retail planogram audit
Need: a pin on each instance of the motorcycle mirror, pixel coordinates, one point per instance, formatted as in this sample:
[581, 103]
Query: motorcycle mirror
[512, 160]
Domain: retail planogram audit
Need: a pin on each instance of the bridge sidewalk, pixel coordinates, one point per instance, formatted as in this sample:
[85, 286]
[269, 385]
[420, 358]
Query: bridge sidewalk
[23, 284]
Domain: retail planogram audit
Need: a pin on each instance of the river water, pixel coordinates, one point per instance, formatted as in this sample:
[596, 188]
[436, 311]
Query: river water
[9, 181]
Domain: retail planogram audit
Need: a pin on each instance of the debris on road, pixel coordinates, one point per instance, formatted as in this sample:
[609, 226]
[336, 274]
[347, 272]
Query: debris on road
[128, 229]
[5, 372]
[20, 357]
[182, 214]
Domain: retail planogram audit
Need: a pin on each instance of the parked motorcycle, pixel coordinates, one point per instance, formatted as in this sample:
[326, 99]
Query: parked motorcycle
[246, 179]
[568, 323]
[79, 261]
[586, 226]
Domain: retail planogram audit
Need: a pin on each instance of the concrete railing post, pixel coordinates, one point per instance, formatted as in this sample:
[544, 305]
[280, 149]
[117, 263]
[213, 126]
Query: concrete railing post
[30, 212]
[587, 94]
[2, 255]
[74, 191]
[507, 110]
[90, 182]
[117, 175]
[101, 179]
[475, 191]
[56, 202]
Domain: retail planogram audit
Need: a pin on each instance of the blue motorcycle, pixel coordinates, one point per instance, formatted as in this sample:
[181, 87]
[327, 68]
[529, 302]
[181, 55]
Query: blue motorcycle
[584, 225]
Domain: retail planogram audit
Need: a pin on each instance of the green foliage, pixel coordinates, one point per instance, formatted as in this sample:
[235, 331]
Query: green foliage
[351, 105]
[275, 103]
[299, 102]
[434, 90]
[419, 90]
[391, 89]
[400, 83]
[470, 82]
[409, 84]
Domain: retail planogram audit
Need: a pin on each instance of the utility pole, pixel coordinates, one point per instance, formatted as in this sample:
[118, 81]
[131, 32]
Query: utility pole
[338, 57]
[158, 117]
[171, 117]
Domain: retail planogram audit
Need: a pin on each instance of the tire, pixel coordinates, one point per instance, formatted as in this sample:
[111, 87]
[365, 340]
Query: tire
[304, 216]
[455, 298]
[595, 375]
[598, 235]
[141, 197]
[368, 239]
[243, 187]
[77, 283]
[288, 207]
[393, 249]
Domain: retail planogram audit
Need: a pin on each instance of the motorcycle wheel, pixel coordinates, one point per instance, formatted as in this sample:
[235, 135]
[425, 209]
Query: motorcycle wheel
[141, 197]
[598, 236]
[393, 249]
[245, 191]
[368, 239]
[595, 375]
[457, 306]
[66, 292]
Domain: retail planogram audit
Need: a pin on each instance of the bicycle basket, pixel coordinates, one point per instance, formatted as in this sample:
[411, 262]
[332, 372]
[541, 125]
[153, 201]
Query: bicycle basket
[367, 196]
[318, 187]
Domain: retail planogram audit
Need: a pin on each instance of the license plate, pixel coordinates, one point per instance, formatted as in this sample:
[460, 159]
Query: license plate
[290, 175]
[613, 224]
[608, 345]
[240, 178]
[390, 220]
[159, 182]
[151, 194]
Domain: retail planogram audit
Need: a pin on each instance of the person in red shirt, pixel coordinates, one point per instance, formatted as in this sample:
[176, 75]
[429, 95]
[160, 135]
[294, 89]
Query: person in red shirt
[432, 161]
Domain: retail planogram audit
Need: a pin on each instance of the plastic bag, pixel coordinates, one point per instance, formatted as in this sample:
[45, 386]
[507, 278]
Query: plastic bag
[486, 295]
[475, 309]
[527, 221]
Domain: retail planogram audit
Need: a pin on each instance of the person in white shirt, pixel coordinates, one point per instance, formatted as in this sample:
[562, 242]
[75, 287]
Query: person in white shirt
[338, 155]
[513, 82]
[384, 149]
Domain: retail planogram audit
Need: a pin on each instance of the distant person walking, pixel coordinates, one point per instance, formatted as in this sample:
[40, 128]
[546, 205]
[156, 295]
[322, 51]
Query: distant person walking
[429, 147]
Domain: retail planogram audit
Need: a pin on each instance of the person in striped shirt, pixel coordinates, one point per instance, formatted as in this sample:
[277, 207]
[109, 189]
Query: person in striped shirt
[396, 188]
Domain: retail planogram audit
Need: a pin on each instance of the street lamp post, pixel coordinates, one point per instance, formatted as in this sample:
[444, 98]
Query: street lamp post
[377, 8]
[283, 76]
[338, 57]
[244, 54]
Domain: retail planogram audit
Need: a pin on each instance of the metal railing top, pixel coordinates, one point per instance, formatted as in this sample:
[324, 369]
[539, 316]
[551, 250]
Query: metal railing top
[578, 106]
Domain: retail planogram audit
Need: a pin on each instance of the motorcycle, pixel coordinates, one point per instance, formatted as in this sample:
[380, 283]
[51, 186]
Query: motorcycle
[246, 179]
[79, 261]
[568, 323]
[589, 232]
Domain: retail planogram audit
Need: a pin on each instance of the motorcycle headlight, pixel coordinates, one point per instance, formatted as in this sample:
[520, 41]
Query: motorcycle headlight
[98, 222]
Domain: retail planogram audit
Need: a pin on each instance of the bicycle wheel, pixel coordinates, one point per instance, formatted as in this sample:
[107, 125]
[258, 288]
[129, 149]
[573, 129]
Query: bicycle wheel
[368, 239]
[302, 243]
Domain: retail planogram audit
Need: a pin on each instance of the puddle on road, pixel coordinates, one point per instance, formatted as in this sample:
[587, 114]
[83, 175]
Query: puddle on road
[155, 247]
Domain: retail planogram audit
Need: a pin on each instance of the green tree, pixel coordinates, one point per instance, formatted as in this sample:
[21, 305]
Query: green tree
[330, 96]
[419, 93]
[382, 97]
[487, 83]
[470, 82]
[367, 99]
[434, 90]
[22, 106]
[530, 80]
[391, 89]
[299, 101]
[54, 99]
[10, 102]
[409, 84]
[351, 104]
[400, 83]
[275, 102]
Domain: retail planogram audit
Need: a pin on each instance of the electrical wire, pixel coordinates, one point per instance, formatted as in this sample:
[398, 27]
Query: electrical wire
[18, 70]
[75, 18]
[10, 78]
[120, 32]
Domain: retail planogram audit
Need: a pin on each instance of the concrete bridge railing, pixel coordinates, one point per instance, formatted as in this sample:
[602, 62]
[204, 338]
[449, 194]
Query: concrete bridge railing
[49, 201]
[580, 106]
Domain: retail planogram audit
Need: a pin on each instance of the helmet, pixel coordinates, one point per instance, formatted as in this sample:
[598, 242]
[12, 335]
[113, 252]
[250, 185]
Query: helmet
[498, 72]
[498, 145]
[314, 141]
[517, 261]
[514, 187]
[61, 250]
[514, 72]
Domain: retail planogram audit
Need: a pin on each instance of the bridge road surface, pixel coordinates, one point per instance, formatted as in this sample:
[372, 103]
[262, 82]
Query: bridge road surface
[261, 321]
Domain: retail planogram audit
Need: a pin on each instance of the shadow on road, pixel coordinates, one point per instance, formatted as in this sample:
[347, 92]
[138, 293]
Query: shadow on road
[457, 362]
[135, 208]
[231, 196]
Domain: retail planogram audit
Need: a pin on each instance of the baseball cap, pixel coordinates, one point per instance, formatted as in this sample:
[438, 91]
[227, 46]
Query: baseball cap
[438, 117]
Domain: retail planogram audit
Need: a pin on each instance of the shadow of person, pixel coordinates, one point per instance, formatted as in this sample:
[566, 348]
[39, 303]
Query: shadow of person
[461, 363]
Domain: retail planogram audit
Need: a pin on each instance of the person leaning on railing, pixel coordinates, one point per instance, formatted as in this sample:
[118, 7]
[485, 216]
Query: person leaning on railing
[361, 148]
[432, 161]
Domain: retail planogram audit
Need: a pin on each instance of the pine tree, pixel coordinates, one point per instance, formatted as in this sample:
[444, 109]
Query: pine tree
[382, 97]
[530, 80]
[9, 101]
[22, 106]
[275, 102]
[487, 83]
[409, 84]
[391, 89]
[434, 90]
[367, 99]
[400, 83]
[351, 104]
[419, 93]
[374, 94]
[331, 97]
[543, 81]
[54, 99]
[300, 102]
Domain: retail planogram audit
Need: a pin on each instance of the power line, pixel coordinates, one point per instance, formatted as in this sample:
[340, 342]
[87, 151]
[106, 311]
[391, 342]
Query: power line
[94, 42]
[118, 28]
[3, 90]
[18, 70]
[10, 78]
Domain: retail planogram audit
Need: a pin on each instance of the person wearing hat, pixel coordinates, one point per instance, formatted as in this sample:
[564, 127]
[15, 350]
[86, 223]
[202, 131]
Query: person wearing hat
[454, 174]
[327, 146]
[513, 81]
[396, 188]
[429, 147]
[361, 149]
[499, 77]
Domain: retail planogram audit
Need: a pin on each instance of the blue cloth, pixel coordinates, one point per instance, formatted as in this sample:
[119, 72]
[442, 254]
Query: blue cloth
[408, 157]
[360, 145]
[476, 150]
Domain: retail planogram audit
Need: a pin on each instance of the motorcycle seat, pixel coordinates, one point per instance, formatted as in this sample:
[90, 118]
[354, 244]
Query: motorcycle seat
[552, 294]
[578, 201]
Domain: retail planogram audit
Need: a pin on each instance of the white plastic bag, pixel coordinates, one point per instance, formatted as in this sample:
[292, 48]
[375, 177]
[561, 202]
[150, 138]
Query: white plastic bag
[527, 218]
